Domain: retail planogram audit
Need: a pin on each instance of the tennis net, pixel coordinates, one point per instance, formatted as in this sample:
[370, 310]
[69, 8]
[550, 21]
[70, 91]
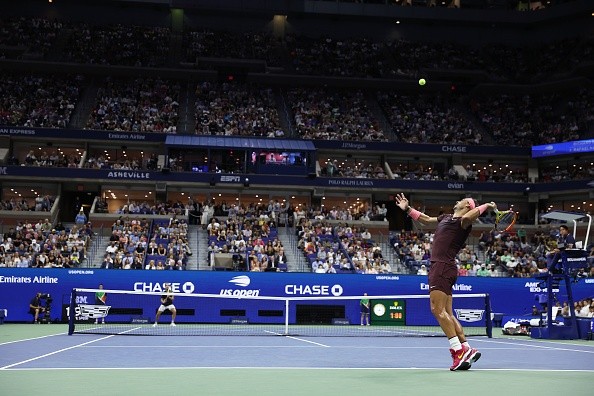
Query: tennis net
[134, 312]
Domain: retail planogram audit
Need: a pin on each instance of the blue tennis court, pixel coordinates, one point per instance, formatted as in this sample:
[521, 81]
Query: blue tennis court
[295, 363]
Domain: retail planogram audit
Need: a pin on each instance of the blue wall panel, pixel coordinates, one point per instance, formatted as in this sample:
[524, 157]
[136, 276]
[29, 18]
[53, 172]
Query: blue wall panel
[510, 296]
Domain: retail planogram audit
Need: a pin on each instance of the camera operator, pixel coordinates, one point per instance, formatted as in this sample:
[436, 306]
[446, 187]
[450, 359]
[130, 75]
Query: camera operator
[35, 307]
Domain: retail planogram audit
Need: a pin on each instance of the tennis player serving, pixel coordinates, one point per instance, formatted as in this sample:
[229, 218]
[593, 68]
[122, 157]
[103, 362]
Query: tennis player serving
[166, 304]
[450, 236]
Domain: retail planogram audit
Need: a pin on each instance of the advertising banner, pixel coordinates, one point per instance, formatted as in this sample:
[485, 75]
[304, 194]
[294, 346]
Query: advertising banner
[509, 296]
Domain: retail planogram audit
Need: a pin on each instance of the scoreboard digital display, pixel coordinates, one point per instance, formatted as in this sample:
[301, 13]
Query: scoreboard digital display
[388, 312]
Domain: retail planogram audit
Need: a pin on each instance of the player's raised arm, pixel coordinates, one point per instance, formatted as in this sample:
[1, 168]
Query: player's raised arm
[474, 212]
[422, 218]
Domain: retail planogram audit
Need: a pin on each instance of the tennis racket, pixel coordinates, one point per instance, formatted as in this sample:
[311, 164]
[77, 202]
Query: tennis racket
[505, 220]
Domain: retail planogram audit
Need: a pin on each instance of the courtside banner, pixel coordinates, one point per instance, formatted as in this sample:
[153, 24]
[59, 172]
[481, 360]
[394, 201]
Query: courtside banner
[510, 296]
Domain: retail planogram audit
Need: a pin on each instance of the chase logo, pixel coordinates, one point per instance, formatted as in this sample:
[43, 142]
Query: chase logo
[188, 287]
[469, 315]
[242, 280]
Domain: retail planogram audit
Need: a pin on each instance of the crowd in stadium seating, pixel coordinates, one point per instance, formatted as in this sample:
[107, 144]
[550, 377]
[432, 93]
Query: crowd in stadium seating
[153, 208]
[349, 167]
[332, 115]
[364, 213]
[42, 245]
[102, 163]
[56, 158]
[324, 252]
[353, 57]
[235, 110]
[27, 37]
[362, 57]
[37, 101]
[511, 255]
[150, 46]
[575, 171]
[128, 162]
[207, 43]
[340, 248]
[169, 248]
[140, 244]
[127, 244]
[582, 308]
[522, 120]
[428, 119]
[140, 105]
[497, 174]
[416, 171]
[146, 105]
[151, 106]
[42, 203]
[249, 233]
[141, 46]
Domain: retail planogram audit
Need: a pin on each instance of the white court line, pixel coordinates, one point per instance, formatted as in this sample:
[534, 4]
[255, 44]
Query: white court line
[290, 346]
[538, 346]
[544, 341]
[299, 368]
[310, 342]
[62, 350]
[298, 339]
[31, 339]
[200, 346]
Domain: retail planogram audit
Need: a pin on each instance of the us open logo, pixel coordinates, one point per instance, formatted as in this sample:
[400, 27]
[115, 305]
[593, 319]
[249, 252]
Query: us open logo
[469, 315]
[241, 280]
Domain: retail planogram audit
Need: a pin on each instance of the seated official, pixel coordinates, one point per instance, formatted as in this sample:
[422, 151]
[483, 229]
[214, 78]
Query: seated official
[564, 241]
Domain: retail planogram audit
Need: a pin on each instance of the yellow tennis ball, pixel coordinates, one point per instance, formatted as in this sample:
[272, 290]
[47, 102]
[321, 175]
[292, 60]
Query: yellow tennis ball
[422, 81]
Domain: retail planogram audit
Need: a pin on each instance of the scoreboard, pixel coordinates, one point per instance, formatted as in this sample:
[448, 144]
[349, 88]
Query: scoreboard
[388, 312]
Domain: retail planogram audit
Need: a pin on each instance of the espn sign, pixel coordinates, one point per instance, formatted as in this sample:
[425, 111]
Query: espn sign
[231, 179]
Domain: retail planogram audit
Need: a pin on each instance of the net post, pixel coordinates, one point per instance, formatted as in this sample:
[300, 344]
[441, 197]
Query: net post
[489, 321]
[71, 312]
[287, 316]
